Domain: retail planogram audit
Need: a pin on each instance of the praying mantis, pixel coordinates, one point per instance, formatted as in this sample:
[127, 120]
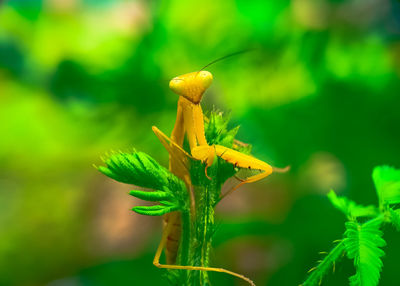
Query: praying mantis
[190, 123]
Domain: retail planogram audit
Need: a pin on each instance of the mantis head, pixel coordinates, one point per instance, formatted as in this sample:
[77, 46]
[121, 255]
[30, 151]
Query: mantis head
[191, 85]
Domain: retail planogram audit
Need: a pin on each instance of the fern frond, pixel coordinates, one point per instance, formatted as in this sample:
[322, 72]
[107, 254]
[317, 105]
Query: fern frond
[323, 267]
[362, 243]
[387, 184]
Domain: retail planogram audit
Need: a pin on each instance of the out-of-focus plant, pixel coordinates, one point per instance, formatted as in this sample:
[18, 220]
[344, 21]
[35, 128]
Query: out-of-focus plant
[362, 240]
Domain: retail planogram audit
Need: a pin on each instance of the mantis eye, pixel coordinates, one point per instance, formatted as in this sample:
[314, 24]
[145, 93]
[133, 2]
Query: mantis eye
[177, 85]
[206, 78]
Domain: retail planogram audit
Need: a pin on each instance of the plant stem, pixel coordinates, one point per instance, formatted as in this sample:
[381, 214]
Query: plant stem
[319, 271]
[184, 248]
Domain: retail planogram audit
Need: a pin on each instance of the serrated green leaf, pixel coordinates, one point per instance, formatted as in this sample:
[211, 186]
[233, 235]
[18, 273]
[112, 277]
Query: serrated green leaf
[217, 132]
[151, 196]
[349, 207]
[387, 184]
[154, 210]
[362, 243]
[135, 168]
[395, 218]
[140, 169]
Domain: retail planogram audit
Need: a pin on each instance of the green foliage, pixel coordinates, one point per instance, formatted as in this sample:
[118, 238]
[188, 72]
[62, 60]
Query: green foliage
[151, 196]
[135, 168]
[349, 207]
[141, 170]
[327, 263]
[387, 184]
[217, 132]
[362, 242]
[395, 218]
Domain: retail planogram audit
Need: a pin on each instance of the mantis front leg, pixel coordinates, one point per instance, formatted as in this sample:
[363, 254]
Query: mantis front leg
[207, 155]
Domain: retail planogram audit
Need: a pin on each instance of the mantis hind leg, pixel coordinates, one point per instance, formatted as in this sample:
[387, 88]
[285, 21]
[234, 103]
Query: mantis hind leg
[156, 260]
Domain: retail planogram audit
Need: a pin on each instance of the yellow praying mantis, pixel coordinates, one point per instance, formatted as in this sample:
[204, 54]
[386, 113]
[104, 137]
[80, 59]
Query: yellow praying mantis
[190, 123]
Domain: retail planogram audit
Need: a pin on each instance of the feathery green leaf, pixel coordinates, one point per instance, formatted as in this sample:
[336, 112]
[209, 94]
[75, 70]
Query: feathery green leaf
[151, 196]
[135, 168]
[154, 210]
[362, 243]
[141, 170]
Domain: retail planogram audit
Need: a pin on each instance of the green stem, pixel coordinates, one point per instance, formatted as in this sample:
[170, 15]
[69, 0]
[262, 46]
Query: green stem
[184, 247]
[319, 271]
[203, 227]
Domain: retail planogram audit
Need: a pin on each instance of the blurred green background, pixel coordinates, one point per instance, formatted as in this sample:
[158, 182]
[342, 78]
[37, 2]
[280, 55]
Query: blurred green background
[78, 78]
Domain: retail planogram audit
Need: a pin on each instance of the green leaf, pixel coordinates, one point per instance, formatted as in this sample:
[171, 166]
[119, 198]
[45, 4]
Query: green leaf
[349, 207]
[141, 170]
[395, 218]
[151, 196]
[362, 243]
[325, 265]
[135, 168]
[217, 132]
[387, 184]
[154, 210]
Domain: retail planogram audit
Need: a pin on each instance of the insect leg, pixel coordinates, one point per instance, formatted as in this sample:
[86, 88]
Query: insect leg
[243, 161]
[281, 170]
[188, 121]
[176, 152]
[198, 122]
[178, 133]
[179, 164]
[206, 154]
[248, 180]
[237, 143]
[156, 260]
[167, 142]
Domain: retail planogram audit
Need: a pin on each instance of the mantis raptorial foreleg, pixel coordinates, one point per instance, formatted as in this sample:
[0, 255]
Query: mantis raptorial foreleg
[180, 159]
[174, 150]
[156, 260]
[207, 154]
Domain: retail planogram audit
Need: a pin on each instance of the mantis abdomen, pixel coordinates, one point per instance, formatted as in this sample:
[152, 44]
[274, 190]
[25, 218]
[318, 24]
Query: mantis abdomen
[172, 244]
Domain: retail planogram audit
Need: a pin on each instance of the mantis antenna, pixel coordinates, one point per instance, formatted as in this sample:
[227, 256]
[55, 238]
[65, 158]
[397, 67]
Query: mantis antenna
[225, 57]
